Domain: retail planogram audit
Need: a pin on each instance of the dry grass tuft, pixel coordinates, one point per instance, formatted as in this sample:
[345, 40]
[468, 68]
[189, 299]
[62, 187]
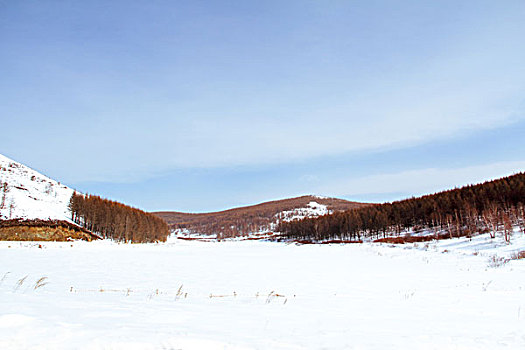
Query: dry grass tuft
[40, 282]
[4, 277]
[179, 292]
[496, 261]
[20, 283]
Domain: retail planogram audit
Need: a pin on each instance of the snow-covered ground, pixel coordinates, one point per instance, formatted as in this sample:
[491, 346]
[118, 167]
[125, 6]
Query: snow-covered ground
[312, 209]
[262, 295]
[29, 194]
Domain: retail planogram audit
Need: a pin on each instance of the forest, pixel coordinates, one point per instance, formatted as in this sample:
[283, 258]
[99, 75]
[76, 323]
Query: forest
[493, 206]
[117, 221]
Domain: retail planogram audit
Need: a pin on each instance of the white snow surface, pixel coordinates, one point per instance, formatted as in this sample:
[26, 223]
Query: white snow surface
[262, 295]
[31, 195]
[320, 197]
[312, 209]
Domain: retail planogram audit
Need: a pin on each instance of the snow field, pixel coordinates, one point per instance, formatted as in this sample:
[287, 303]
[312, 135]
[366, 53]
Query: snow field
[258, 295]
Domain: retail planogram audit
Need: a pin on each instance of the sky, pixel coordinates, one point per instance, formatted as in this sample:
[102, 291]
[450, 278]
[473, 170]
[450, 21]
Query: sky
[206, 105]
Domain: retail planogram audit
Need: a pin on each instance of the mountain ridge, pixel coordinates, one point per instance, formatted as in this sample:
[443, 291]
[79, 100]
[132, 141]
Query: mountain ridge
[256, 218]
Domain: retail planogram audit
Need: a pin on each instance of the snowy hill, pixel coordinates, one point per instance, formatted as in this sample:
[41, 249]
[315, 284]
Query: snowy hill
[312, 209]
[27, 194]
[256, 219]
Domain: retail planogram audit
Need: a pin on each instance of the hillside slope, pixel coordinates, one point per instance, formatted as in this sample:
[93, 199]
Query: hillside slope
[36, 208]
[257, 218]
[27, 194]
[495, 206]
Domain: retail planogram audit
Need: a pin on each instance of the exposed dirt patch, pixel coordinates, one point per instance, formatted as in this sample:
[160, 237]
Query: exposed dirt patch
[42, 230]
[411, 239]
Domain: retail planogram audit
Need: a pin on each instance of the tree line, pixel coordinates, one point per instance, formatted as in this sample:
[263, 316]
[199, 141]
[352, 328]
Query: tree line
[117, 221]
[493, 206]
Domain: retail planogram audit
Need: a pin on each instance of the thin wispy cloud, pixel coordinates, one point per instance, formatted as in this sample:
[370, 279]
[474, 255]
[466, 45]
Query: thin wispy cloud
[422, 181]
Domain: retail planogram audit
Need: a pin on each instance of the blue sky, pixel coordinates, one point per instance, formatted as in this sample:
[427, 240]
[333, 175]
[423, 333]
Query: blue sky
[206, 105]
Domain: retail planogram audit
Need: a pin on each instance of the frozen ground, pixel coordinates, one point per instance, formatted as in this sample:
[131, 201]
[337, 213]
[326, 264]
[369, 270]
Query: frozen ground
[260, 295]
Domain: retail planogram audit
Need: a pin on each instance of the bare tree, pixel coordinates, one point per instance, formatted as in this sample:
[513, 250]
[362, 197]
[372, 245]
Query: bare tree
[11, 209]
[5, 189]
[507, 227]
[491, 218]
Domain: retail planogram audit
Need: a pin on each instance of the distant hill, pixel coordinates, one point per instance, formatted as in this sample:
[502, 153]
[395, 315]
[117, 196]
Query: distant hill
[257, 218]
[495, 206]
